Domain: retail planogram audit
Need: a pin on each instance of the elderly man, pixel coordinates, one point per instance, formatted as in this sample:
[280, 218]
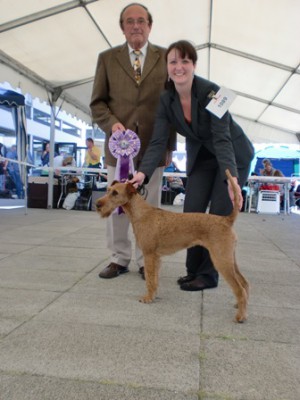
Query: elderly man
[127, 86]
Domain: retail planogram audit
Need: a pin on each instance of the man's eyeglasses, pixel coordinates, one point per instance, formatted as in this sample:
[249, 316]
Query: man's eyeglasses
[139, 21]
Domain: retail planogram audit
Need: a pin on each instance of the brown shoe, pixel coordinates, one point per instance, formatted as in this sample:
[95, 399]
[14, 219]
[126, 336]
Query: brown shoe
[112, 271]
[142, 272]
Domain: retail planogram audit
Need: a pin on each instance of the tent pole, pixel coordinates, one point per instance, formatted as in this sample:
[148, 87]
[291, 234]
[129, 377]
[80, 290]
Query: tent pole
[52, 142]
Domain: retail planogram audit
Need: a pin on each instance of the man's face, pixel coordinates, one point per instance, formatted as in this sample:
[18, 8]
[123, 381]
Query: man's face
[135, 26]
[268, 167]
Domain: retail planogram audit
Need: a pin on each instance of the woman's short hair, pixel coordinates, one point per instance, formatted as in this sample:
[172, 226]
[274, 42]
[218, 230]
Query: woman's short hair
[185, 49]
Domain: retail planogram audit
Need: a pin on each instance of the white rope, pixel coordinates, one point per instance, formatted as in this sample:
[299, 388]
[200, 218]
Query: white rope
[71, 169]
[16, 161]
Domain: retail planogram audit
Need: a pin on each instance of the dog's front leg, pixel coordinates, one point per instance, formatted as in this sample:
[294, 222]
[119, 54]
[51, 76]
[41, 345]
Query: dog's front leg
[151, 268]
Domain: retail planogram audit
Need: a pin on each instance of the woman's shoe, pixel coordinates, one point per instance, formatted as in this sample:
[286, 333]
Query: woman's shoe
[196, 284]
[184, 279]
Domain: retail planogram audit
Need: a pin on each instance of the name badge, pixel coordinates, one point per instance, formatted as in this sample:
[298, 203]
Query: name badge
[220, 101]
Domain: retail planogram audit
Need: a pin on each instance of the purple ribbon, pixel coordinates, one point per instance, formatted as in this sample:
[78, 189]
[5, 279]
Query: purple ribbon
[124, 146]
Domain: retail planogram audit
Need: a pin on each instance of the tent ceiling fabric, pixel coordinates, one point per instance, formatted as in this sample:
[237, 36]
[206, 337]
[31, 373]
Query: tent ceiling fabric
[251, 47]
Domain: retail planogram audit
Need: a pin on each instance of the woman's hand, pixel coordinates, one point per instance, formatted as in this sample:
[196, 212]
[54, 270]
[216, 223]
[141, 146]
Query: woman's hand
[169, 157]
[138, 179]
[231, 192]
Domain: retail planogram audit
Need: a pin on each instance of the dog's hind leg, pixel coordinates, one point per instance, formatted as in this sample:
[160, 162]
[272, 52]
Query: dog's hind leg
[151, 268]
[224, 262]
[241, 278]
[238, 290]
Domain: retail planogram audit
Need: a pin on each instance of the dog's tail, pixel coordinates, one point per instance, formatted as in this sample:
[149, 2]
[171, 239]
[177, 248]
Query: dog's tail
[236, 204]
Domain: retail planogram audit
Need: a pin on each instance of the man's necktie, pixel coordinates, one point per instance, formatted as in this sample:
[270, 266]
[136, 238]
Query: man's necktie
[137, 66]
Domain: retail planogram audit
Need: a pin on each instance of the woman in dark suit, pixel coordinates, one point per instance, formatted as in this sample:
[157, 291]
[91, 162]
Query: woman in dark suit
[213, 145]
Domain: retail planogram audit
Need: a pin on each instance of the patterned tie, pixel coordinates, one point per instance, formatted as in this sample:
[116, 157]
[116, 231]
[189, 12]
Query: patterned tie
[137, 66]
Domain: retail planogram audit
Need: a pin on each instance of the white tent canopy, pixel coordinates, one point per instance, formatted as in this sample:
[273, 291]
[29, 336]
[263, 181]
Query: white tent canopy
[49, 49]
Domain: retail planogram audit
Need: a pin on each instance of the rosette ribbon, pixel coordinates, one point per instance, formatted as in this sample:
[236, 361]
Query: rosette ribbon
[124, 146]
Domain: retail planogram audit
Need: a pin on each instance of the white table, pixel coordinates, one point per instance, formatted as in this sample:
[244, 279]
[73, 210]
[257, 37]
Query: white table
[276, 180]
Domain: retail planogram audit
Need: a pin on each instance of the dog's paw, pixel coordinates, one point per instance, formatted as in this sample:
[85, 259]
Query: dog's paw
[240, 318]
[146, 299]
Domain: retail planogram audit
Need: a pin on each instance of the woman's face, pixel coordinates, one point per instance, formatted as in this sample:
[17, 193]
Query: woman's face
[180, 70]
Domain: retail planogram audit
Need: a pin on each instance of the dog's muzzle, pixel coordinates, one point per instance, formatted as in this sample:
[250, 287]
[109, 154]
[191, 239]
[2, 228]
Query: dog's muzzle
[98, 205]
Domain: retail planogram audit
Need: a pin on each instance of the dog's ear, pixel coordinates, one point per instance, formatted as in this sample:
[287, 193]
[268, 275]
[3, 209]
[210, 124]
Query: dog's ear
[114, 182]
[130, 188]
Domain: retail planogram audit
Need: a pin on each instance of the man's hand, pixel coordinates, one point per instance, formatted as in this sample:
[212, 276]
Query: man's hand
[138, 179]
[117, 127]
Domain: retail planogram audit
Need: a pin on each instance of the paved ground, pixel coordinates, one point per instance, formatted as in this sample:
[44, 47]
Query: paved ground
[65, 334]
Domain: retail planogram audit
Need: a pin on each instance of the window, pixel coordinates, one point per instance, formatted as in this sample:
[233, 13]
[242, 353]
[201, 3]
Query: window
[44, 118]
[95, 133]
[70, 129]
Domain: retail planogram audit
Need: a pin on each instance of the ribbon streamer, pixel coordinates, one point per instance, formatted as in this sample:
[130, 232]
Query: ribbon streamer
[124, 146]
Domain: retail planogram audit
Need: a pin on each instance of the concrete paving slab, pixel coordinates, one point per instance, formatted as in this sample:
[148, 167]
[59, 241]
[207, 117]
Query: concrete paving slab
[50, 263]
[26, 387]
[137, 357]
[3, 255]
[29, 237]
[111, 310]
[81, 242]
[13, 248]
[32, 279]
[65, 251]
[18, 306]
[256, 261]
[66, 334]
[249, 370]
[285, 294]
[131, 284]
[23, 303]
[264, 324]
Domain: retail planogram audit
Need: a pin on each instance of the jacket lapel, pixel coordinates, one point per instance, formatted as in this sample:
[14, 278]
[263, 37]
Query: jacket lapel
[185, 129]
[152, 57]
[194, 107]
[124, 60]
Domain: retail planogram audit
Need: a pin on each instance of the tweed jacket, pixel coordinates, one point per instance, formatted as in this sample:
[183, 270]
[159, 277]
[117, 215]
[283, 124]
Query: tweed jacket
[223, 137]
[117, 98]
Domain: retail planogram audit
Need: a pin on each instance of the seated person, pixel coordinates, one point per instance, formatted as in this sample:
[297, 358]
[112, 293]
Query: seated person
[172, 167]
[255, 189]
[62, 160]
[297, 196]
[14, 172]
[175, 183]
[291, 193]
[3, 167]
[270, 171]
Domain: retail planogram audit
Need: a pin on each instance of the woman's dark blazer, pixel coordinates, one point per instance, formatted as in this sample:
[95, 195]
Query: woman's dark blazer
[222, 137]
